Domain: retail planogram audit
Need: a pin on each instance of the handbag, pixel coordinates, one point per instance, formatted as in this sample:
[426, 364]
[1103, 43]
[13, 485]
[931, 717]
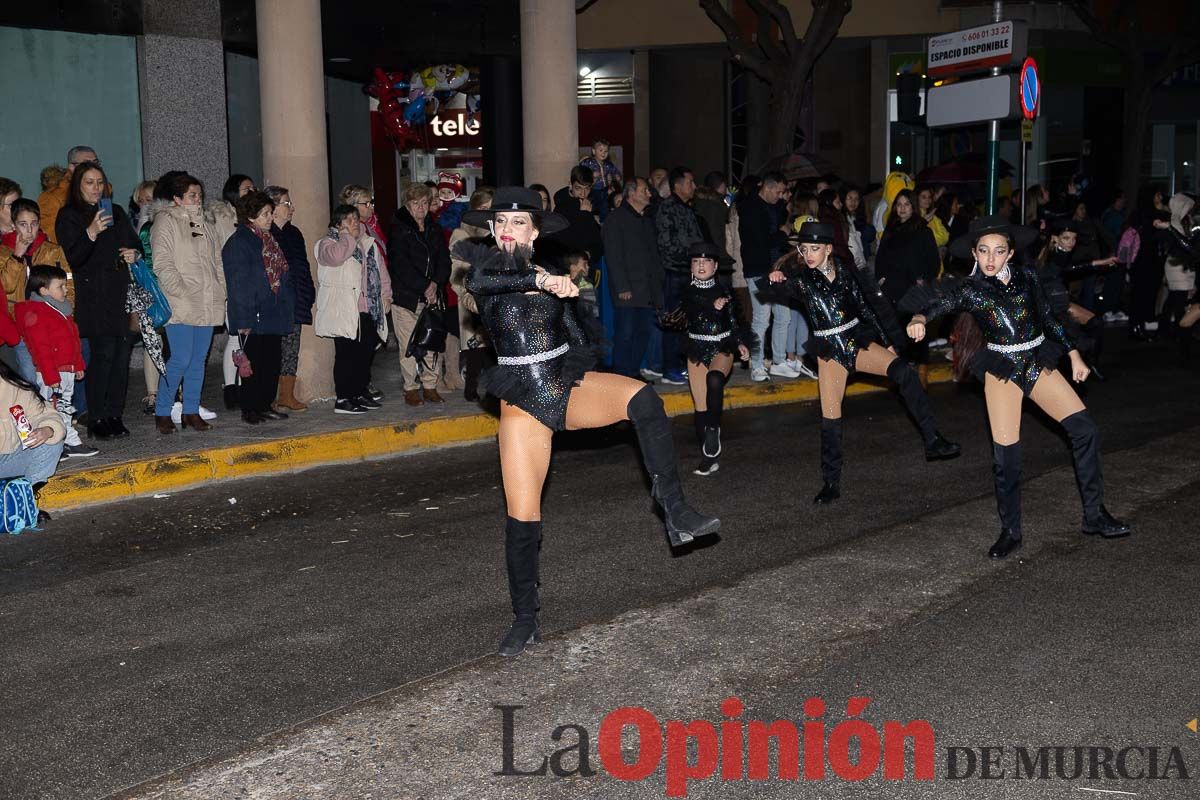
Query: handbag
[159, 311]
[429, 334]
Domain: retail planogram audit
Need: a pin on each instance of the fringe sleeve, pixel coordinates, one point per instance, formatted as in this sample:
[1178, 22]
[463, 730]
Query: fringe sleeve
[933, 300]
[493, 271]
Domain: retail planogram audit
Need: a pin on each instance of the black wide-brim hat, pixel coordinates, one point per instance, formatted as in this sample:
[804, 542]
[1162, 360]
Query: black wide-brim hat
[1021, 235]
[703, 250]
[813, 233]
[518, 198]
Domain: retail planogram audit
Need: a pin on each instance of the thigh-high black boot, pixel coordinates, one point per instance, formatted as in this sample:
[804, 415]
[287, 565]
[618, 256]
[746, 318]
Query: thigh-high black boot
[1006, 470]
[522, 543]
[831, 461]
[1085, 446]
[715, 396]
[653, 428]
[937, 447]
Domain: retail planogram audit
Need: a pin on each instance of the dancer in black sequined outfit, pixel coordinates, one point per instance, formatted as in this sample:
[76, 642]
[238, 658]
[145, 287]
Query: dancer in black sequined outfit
[849, 334]
[545, 382]
[1024, 341]
[714, 337]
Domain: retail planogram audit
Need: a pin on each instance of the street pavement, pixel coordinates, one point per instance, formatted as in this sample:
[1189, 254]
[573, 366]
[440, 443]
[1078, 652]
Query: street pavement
[329, 634]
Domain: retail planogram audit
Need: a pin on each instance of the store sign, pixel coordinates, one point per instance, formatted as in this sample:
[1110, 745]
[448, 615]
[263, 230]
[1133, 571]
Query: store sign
[1000, 44]
[968, 102]
[453, 128]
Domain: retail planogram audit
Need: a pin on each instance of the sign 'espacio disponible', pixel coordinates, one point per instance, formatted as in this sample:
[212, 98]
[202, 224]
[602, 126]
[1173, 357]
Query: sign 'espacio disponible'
[995, 45]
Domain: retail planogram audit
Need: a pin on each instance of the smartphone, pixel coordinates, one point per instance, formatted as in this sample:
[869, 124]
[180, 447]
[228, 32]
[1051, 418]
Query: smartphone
[106, 207]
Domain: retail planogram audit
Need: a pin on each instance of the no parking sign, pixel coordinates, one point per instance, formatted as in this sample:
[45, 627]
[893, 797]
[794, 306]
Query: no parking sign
[1031, 89]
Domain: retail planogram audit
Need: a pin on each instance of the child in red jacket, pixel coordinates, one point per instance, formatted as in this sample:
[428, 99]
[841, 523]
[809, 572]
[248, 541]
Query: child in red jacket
[46, 325]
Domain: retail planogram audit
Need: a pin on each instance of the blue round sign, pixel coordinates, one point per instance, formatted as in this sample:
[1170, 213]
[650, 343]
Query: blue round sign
[1031, 89]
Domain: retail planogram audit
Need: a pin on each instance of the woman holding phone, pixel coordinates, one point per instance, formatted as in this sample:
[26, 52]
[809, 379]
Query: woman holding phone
[100, 244]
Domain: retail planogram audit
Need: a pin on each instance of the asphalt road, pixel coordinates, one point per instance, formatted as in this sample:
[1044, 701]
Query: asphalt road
[140, 638]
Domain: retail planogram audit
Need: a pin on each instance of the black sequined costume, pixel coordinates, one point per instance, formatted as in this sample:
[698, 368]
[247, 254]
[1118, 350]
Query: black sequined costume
[542, 349]
[710, 331]
[841, 319]
[1023, 336]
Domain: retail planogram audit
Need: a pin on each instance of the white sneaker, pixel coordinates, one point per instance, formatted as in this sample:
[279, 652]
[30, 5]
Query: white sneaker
[1120, 316]
[177, 413]
[650, 373]
[803, 369]
[759, 375]
[783, 371]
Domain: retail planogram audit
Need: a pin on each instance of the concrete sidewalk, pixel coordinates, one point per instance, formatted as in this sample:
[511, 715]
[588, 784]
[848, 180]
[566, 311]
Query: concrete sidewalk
[148, 463]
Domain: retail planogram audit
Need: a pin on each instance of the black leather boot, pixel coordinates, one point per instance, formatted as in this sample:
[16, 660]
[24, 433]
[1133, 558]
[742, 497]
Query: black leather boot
[1085, 447]
[831, 461]
[937, 447]
[1006, 470]
[522, 546]
[653, 428]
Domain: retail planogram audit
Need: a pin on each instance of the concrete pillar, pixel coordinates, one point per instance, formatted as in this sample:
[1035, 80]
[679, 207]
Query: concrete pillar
[292, 85]
[549, 80]
[181, 91]
[641, 113]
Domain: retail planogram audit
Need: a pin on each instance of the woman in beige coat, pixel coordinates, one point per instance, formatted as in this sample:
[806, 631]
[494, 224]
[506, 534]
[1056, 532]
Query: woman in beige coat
[472, 337]
[187, 263]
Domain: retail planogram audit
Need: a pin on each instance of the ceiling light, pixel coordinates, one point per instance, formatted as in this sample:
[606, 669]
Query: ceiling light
[585, 71]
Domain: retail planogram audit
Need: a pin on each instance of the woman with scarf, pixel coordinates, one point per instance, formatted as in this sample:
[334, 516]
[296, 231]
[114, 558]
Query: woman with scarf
[546, 382]
[260, 303]
[304, 294]
[1023, 343]
[354, 295]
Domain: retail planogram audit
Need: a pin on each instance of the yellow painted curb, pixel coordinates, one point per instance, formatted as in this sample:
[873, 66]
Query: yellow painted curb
[183, 470]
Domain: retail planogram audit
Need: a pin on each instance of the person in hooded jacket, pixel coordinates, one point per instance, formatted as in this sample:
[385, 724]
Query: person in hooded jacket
[187, 263]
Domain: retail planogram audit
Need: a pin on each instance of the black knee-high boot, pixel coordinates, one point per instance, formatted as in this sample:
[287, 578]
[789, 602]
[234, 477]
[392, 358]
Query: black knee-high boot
[831, 461]
[653, 428]
[522, 546]
[1006, 470]
[715, 396]
[473, 362]
[1085, 447]
[937, 447]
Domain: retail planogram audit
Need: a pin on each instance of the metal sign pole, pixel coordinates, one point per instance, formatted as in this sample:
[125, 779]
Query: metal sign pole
[994, 132]
[1024, 148]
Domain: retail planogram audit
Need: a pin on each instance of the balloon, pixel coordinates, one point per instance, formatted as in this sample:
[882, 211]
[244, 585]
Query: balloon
[447, 77]
[415, 113]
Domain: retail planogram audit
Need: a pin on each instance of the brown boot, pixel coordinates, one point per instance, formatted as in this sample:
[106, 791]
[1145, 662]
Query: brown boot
[287, 395]
[432, 396]
[164, 424]
[413, 397]
[195, 422]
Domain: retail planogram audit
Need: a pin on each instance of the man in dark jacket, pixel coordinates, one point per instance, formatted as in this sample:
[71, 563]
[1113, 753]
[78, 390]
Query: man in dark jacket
[419, 266]
[635, 275]
[677, 229]
[761, 227]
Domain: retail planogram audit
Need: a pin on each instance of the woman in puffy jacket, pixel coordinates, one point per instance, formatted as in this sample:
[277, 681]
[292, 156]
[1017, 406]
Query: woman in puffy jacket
[187, 264]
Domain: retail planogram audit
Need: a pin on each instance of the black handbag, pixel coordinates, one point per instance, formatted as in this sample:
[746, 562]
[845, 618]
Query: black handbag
[429, 334]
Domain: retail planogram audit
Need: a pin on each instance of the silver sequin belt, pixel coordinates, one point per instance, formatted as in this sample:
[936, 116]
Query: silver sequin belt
[1017, 348]
[837, 330]
[535, 358]
[709, 337]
